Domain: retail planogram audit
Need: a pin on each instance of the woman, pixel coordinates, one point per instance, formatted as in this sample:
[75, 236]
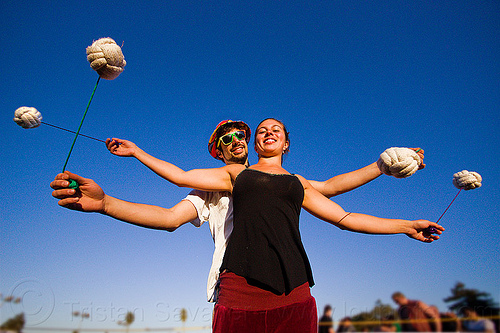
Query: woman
[266, 276]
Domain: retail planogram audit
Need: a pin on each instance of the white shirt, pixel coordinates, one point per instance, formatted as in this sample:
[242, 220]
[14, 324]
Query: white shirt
[217, 209]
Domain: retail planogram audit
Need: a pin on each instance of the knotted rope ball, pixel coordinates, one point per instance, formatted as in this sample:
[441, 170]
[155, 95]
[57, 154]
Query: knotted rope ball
[467, 180]
[27, 117]
[399, 162]
[106, 58]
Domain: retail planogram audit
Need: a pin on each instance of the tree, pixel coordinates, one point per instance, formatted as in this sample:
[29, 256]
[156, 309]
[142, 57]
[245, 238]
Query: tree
[462, 297]
[82, 315]
[184, 316]
[14, 324]
[374, 317]
[129, 319]
[480, 302]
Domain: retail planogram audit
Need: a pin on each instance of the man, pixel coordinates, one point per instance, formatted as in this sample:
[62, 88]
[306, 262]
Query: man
[228, 143]
[345, 325]
[473, 323]
[416, 316]
[326, 321]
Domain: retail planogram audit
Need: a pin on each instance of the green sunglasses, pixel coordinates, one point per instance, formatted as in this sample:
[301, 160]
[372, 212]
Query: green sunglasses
[228, 138]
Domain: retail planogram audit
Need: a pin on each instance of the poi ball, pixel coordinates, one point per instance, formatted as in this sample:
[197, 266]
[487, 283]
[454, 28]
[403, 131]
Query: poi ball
[467, 180]
[27, 117]
[399, 162]
[106, 58]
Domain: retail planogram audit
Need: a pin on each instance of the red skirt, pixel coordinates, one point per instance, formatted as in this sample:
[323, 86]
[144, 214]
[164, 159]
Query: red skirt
[244, 308]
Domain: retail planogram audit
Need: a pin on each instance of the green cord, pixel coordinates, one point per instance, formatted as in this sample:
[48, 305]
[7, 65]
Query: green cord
[74, 184]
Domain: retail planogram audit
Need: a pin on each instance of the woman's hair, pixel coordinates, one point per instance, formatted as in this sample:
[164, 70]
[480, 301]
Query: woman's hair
[287, 134]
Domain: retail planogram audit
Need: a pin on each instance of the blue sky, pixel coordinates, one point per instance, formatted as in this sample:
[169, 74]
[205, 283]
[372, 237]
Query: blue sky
[349, 79]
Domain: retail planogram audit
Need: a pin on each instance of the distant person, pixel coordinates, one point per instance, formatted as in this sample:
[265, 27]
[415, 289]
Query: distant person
[450, 322]
[416, 316]
[326, 321]
[474, 323]
[346, 325]
[389, 325]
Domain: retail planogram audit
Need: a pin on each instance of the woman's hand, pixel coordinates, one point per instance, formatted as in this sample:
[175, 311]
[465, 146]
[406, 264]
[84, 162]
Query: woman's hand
[420, 153]
[419, 231]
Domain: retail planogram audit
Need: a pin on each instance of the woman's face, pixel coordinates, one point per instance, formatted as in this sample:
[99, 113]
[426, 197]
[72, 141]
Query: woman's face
[270, 138]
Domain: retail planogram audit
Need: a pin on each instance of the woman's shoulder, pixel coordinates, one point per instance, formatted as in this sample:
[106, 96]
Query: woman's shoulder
[305, 182]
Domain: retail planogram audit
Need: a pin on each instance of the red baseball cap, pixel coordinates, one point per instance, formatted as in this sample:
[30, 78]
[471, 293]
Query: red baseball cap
[212, 142]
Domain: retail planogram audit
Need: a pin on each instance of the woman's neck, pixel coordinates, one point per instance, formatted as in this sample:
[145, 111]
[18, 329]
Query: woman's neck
[271, 164]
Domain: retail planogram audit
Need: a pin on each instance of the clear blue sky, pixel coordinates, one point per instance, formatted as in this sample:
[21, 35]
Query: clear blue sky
[348, 78]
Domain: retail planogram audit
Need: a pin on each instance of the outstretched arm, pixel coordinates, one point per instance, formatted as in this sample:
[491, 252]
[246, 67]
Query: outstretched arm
[216, 179]
[91, 198]
[349, 181]
[329, 211]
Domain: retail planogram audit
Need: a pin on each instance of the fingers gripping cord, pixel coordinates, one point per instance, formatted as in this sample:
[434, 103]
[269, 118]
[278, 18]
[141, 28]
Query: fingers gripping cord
[399, 162]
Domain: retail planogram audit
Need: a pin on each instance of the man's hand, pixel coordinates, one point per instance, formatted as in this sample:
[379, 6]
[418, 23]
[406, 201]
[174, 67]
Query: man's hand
[121, 147]
[89, 197]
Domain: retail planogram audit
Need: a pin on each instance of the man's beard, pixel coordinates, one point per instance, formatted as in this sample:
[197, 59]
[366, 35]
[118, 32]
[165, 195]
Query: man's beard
[239, 159]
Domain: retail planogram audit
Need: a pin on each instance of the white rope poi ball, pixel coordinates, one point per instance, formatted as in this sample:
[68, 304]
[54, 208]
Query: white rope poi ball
[467, 180]
[27, 117]
[399, 162]
[106, 58]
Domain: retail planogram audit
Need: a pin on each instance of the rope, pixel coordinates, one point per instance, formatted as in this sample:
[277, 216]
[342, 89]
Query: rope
[449, 205]
[81, 123]
[67, 130]
[463, 180]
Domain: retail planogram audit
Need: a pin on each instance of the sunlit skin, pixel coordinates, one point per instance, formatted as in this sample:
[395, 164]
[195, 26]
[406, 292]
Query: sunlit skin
[234, 153]
[270, 138]
[270, 144]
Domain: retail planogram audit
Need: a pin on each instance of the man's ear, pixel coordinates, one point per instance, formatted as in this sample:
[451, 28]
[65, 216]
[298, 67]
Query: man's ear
[219, 154]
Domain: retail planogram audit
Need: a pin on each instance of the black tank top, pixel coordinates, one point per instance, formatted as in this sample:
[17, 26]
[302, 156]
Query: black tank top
[265, 246]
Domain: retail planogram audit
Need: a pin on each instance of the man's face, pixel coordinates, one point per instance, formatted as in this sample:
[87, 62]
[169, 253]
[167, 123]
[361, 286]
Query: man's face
[235, 152]
[399, 300]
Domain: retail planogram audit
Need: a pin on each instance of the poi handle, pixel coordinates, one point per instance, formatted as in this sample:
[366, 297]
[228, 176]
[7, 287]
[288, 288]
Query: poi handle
[431, 230]
[73, 184]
